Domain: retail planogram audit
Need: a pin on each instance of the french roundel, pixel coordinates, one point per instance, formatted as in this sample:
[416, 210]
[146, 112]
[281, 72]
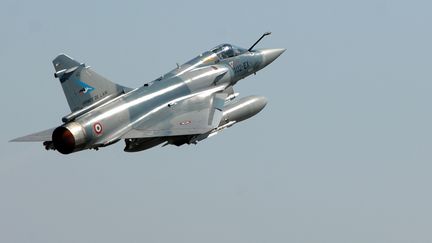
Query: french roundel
[97, 127]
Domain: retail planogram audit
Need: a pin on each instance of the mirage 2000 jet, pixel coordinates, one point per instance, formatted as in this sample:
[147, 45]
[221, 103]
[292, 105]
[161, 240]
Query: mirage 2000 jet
[188, 104]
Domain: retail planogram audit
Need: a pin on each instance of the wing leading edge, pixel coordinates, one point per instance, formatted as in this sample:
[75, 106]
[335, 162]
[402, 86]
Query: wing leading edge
[42, 136]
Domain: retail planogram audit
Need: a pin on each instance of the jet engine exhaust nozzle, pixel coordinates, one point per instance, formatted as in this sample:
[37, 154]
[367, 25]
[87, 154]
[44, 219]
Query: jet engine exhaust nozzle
[68, 138]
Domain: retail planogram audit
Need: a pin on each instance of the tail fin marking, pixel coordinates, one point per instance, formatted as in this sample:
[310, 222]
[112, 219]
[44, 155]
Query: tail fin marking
[81, 85]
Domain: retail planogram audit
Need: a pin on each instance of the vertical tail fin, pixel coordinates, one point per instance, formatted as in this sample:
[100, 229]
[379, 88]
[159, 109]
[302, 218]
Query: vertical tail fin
[81, 85]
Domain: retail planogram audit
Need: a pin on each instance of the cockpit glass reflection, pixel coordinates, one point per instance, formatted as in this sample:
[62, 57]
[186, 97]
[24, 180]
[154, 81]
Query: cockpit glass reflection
[227, 50]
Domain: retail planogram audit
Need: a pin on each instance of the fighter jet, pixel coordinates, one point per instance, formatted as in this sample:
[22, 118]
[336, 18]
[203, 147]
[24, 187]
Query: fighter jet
[194, 101]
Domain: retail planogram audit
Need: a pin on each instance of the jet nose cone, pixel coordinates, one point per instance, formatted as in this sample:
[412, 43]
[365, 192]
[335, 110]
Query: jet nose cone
[269, 55]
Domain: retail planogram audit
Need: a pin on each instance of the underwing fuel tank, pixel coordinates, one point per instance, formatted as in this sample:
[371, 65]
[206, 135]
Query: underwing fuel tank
[232, 113]
[242, 109]
[236, 112]
[69, 138]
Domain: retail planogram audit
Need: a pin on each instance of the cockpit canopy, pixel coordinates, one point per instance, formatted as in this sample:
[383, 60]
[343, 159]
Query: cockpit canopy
[227, 50]
[213, 56]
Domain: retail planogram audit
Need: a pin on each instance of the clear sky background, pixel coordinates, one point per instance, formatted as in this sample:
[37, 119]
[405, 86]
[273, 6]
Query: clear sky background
[342, 152]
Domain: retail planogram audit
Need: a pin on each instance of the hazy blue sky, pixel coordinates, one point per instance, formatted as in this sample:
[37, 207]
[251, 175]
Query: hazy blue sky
[342, 152]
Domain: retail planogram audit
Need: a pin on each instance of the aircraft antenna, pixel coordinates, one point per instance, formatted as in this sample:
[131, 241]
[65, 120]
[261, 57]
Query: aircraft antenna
[266, 33]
